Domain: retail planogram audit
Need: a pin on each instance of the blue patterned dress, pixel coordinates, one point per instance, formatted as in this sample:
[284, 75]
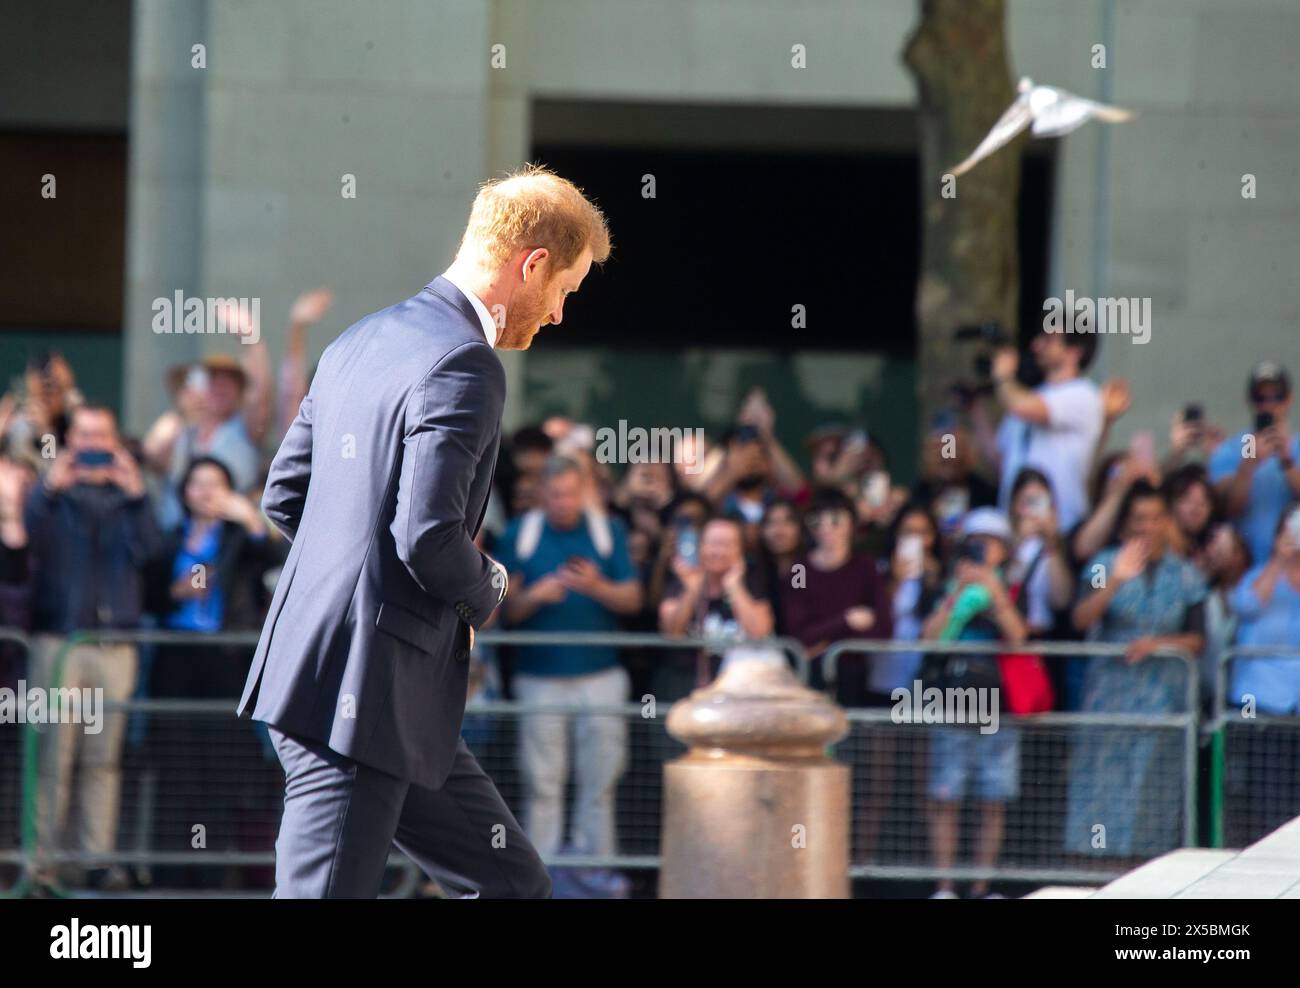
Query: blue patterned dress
[1126, 779]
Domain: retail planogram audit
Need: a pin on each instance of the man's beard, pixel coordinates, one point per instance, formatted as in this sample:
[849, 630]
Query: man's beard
[523, 320]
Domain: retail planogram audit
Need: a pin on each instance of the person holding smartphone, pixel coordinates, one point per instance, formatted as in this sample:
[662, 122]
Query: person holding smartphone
[1267, 605]
[92, 535]
[1038, 562]
[713, 592]
[976, 605]
[569, 570]
[1257, 472]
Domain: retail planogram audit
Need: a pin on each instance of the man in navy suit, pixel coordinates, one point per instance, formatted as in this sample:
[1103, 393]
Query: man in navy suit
[381, 484]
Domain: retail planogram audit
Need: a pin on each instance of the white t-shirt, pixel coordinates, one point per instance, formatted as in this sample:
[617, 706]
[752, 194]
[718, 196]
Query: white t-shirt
[1062, 449]
[1037, 593]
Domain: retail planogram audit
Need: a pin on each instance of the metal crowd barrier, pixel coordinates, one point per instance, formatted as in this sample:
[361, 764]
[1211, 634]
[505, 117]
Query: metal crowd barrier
[13, 759]
[192, 760]
[894, 772]
[1254, 760]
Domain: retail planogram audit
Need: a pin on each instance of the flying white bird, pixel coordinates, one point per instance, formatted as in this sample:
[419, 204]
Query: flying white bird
[1052, 112]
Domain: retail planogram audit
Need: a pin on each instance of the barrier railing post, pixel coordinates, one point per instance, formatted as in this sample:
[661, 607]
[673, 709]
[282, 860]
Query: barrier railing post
[23, 861]
[1223, 723]
[755, 809]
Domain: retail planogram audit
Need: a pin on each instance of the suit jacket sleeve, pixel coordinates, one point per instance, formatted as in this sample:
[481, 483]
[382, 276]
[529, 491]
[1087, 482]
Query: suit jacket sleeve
[450, 422]
[286, 483]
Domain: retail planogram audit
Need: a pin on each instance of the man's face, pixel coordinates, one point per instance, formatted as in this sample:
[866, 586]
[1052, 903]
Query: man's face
[225, 392]
[562, 499]
[529, 461]
[539, 300]
[94, 431]
[720, 547]
[750, 461]
[1271, 398]
[1049, 350]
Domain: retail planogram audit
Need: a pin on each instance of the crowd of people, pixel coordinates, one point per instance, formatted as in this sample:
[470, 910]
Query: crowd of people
[1024, 524]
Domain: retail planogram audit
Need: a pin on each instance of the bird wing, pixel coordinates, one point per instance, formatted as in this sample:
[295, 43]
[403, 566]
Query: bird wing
[1016, 118]
[1069, 112]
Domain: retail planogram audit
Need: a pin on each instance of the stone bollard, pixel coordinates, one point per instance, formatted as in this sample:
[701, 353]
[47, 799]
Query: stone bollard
[755, 809]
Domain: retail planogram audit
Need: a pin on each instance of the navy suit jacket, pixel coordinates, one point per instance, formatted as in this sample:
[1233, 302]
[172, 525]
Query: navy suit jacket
[381, 484]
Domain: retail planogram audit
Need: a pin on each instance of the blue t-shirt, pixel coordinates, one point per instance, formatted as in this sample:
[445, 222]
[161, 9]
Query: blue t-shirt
[198, 613]
[576, 612]
[1270, 494]
[1274, 682]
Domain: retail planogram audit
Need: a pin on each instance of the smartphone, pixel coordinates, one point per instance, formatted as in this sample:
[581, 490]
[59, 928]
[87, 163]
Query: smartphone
[91, 458]
[875, 488]
[943, 422]
[951, 506]
[1293, 527]
[581, 436]
[1264, 420]
[688, 545]
[1193, 414]
[746, 433]
[911, 549]
[972, 549]
[1143, 446]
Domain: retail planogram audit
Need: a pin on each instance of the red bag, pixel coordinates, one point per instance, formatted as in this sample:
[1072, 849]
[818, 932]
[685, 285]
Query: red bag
[1026, 686]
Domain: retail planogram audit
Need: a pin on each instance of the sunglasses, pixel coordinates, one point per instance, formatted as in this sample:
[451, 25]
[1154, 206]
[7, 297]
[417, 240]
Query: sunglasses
[1268, 397]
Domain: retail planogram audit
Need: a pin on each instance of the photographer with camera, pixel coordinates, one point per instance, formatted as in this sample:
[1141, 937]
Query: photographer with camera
[1053, 427]
[1257, 473]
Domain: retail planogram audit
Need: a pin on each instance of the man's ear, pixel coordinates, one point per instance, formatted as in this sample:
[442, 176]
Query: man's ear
[532, 261]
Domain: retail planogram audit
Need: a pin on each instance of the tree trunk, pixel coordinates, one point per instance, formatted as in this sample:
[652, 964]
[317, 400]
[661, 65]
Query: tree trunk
[969, 263]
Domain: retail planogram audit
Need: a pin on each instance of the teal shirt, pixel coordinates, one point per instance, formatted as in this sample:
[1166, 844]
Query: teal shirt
[576, 612]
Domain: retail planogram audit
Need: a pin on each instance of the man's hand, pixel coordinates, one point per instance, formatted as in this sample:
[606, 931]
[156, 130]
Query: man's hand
[581, 576]
[691, 577]
[1116, 399]
[757, 411]
[860, 618]
[550, 589]
[1006, 362]
[184, 588]
[232, 506]
[1273, 441]
[1139, 649]
[125, 474]
[1131, 560]
[62, 473]
[311, 306]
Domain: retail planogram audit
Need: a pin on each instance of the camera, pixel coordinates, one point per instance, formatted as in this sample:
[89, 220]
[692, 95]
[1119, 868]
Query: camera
[987, 336]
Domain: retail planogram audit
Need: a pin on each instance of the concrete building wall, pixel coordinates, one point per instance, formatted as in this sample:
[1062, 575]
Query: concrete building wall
[402, 94]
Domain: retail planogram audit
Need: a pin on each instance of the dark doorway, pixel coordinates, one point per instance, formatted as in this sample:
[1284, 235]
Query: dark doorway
[736, 236]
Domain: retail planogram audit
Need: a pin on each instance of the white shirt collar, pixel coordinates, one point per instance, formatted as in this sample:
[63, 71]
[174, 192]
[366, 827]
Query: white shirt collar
[484, 317]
